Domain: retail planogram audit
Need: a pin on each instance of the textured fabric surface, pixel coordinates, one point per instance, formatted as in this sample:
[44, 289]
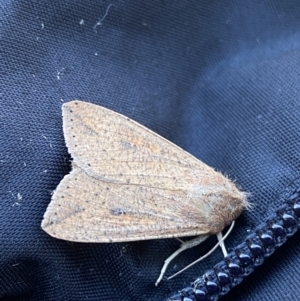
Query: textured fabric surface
[218, 78]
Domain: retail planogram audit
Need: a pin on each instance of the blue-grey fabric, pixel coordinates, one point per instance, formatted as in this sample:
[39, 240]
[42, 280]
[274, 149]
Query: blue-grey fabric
[220, 79]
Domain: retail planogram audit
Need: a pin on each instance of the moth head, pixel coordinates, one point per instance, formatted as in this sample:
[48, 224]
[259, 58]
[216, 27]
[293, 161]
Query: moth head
[225, 208]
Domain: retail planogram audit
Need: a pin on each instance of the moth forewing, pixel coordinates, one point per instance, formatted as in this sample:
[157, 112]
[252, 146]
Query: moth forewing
[115, 213]
[129, 183]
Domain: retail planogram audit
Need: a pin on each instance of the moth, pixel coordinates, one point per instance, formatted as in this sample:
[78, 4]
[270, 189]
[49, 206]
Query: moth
[128, 183]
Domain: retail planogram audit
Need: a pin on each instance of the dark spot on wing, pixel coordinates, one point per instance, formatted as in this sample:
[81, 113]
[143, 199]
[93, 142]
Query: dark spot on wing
[117, 211]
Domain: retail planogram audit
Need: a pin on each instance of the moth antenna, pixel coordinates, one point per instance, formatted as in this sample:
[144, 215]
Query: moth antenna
[184, 246]
[208, 253]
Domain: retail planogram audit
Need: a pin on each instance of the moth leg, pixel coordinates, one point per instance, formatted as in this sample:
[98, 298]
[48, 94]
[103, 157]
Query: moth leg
[222, 245]
[180, 240]
[221, 240]
[184, 246]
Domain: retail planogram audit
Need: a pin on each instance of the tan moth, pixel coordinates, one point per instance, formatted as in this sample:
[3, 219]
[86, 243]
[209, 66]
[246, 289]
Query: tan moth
[128, 183]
